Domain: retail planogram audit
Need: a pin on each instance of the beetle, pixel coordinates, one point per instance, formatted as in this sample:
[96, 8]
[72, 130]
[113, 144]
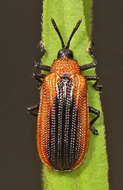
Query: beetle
[63, 117]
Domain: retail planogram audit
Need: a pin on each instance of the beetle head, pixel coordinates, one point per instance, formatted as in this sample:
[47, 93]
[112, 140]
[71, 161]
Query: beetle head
[65, 51]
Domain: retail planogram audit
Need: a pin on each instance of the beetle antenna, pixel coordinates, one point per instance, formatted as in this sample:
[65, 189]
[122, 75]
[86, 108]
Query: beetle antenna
[73, 32]
[57, 30]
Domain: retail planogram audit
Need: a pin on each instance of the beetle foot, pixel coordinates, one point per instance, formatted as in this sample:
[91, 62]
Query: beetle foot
[94, 131]
[32, 109]
[98, 87]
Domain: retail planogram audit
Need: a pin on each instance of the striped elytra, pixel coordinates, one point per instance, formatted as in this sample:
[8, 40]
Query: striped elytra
[63, 125]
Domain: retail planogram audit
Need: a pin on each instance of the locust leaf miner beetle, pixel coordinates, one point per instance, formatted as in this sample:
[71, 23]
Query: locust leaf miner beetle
[63, 113]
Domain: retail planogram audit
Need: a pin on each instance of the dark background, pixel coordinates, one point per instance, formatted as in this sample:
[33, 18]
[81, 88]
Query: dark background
[19, 35]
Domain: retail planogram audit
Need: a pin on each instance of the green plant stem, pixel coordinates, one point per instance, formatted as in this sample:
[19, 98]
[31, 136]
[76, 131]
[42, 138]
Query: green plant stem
[93, 173]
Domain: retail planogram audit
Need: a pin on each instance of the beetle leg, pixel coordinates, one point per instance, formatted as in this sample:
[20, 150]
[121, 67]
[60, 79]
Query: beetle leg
[88, 66]
[38, 77]
[91, 51]
[38, 65]
[41, 67]
[96, 85]
[91, 65]
[97, 113]
[31, 109]
[42, 49]
[92, 54]
[91, 77]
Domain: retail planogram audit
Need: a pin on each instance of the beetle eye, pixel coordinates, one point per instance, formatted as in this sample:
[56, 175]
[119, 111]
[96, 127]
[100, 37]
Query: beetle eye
[60, 54]
[70, 54]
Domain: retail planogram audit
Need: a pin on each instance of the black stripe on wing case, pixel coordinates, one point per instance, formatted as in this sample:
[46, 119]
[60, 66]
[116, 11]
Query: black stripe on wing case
[63, 150]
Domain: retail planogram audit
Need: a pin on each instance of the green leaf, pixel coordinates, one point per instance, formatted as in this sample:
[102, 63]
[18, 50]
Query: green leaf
[93, 172]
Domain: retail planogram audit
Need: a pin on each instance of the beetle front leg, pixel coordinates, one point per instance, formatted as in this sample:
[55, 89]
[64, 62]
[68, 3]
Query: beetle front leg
[41, 67]
[88, 66]
[91, 50]
[38, 65]
[97, 113]
[96, 85]
[31, 109]
[92, 54]
[42, 49]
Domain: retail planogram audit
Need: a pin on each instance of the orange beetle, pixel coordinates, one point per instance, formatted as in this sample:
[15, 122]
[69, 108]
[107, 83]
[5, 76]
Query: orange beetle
[63, 116]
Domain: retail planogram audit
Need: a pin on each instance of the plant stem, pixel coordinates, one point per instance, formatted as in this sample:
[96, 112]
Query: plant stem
[93, 173]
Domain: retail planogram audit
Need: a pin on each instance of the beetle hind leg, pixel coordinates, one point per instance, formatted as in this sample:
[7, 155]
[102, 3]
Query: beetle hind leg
[97, 113]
